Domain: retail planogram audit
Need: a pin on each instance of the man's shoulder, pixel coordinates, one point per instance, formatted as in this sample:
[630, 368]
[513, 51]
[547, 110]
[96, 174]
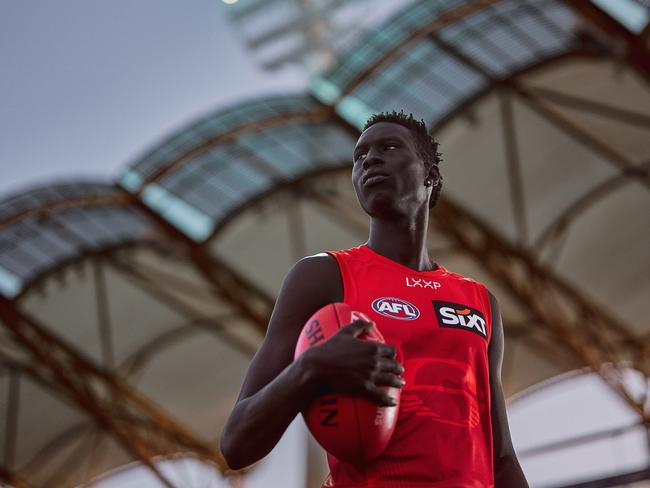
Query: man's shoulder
[350, 252]
[321, 268]
[465, 279]
[458, 276]
[316, 263]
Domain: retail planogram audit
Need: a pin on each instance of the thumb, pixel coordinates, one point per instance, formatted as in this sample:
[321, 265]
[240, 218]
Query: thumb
[357, 327]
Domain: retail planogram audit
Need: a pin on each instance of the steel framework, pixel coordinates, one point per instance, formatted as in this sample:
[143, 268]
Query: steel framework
[141, 427]
[582, 329]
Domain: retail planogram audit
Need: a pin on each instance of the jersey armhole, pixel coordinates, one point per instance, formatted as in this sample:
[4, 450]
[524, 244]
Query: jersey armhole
[488, 307]
[346, 278]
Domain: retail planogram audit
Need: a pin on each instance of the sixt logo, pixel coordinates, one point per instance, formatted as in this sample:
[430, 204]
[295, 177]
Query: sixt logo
[395, 308]
[460, 317]
[421, 283]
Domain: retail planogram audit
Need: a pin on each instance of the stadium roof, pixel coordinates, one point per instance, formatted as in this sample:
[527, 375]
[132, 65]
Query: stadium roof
[160, 287]
[44, 228]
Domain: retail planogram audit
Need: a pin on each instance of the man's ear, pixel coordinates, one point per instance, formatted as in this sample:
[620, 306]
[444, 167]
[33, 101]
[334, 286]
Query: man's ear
[434, 174]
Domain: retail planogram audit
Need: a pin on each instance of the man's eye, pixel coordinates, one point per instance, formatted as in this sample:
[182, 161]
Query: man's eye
[391, 145]
[359, 155]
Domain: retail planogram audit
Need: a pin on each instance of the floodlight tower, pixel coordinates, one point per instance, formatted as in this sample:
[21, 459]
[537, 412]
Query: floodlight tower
[307, 33]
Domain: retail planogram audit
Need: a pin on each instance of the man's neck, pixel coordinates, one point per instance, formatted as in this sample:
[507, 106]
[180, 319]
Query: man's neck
[403, 241]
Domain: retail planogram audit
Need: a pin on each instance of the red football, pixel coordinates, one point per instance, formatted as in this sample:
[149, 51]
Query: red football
[350, 428]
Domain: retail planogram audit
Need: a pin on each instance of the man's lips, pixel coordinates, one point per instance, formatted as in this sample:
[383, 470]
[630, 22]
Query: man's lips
[372, 178]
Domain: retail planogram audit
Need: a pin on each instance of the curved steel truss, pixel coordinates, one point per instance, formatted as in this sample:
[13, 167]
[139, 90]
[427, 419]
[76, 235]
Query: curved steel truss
[182, 200]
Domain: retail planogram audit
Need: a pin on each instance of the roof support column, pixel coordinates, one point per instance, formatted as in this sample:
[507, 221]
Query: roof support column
[11, 421]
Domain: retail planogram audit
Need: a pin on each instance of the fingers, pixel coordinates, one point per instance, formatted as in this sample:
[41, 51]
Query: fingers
[387, 373]
[356, 327]
[378, 396]
[388, 379]
[386, 351]
[356, 315]
[388, 366]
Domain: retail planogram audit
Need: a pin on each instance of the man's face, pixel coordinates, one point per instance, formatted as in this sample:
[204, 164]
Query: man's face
[388, 174]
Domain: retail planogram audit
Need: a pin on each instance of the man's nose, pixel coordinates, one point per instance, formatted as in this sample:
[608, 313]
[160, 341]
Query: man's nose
[372, 157]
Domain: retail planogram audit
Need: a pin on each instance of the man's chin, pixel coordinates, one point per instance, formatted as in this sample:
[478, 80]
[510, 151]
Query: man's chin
[381, 206]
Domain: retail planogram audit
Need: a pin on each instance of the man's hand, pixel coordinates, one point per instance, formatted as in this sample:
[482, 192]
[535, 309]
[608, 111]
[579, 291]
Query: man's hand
[355, 366]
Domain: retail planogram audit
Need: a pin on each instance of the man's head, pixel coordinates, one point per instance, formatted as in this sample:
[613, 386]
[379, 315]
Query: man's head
[400, 146]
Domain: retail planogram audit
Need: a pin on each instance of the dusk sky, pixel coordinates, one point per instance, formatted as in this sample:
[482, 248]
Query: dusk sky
[86, 87]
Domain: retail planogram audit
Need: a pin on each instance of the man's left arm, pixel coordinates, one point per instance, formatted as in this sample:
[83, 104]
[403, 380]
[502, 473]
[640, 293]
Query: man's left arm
[507, 471]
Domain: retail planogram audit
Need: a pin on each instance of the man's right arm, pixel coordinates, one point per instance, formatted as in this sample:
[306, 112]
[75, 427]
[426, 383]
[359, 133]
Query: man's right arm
[275, 388]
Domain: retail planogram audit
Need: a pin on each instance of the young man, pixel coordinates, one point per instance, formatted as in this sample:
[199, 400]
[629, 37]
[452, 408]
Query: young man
[444, 342]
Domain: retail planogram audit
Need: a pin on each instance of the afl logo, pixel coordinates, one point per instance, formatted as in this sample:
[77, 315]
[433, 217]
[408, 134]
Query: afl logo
[395, 308]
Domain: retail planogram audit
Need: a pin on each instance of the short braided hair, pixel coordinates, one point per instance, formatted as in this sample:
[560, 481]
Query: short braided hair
[425, 144]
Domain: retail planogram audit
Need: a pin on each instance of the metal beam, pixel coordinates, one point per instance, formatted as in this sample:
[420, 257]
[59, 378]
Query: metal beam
[93, 458]
[59, 442]
[578, 440]
[317, 114]
[183, 287]
[245, 296]
[196, 317]
[534, 98]
[579, 134]
[11, 479]
[245, 9]
[11, 421]
[645, 33]
[136, 361]
[623, 479]
[63, 472]
[612, 112]
[436, 25]
[141, 427]
[103, 314]
[561, 223]
[465, 108]
[313, 13]
[116, 199]
[513, 162]
[636, 52]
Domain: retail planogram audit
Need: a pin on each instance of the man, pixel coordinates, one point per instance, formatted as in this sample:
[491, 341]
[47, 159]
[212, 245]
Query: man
[444, 339]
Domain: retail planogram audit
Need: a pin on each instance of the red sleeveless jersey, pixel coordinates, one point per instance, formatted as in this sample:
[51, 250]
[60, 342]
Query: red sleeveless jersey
[440, 324]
